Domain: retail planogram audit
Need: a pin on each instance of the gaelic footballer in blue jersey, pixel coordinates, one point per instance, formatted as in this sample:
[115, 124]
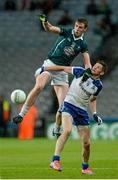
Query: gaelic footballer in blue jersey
[69, 44]
[83, 91]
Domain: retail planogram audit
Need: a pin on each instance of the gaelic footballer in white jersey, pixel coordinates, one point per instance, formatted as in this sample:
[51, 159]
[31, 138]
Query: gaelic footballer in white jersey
[78, 96]
[84, 89]
[80, 92]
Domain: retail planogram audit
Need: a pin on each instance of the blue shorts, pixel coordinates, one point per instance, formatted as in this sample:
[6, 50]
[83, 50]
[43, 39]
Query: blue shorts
[80, 116]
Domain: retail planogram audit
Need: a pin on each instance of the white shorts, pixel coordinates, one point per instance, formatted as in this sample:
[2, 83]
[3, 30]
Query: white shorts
[57, 77]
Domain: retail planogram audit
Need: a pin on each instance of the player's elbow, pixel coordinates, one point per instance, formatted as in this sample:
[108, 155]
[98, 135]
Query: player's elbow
[93, 99]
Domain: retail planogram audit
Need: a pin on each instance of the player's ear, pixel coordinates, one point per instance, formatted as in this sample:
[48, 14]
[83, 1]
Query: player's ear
[102, 73]
[85, 29]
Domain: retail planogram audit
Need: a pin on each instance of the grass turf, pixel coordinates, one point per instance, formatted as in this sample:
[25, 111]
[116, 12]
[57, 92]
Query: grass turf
[31, 159]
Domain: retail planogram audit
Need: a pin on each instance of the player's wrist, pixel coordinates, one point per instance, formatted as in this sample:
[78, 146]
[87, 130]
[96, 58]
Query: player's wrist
[42, 18]
[45, 21]
[94, 112]
[87, 74]
[95, 116]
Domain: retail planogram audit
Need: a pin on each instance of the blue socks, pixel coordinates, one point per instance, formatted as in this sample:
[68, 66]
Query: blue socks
[85, 166]
[56, 158]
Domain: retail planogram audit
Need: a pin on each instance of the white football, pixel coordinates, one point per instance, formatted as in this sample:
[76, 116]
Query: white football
[18, 96]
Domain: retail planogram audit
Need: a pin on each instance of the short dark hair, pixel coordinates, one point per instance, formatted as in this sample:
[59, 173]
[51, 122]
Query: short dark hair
[104, 64]
[83, 20]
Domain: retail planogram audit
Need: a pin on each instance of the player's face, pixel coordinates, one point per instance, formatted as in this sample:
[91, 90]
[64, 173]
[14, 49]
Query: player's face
[97, 69]
[79, 29]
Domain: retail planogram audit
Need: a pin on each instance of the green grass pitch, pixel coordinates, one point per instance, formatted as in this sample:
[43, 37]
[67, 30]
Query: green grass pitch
[31, 159]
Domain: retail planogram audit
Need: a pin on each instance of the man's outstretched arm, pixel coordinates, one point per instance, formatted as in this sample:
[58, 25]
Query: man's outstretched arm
[47, 26]
[59, 68]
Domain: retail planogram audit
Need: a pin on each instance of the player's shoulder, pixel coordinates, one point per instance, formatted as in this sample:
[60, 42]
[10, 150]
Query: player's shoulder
[65, 30]
[98, 83]
[77, 71]
[84, 41]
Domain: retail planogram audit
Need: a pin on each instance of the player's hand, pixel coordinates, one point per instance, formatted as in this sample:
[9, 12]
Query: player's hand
[86, 74]
[42, 18]
[97, 118]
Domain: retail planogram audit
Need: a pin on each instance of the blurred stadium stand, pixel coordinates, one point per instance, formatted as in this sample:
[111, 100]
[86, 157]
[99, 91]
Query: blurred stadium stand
[24, 46]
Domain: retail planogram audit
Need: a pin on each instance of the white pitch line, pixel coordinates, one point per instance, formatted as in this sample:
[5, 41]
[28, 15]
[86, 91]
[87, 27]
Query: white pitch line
[46, 168]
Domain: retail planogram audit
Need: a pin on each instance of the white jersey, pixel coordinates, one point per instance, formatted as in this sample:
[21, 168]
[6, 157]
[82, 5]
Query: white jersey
[80, 92]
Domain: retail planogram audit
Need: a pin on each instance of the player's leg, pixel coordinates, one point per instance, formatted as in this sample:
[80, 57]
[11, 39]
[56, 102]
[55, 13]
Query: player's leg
[67, 127]
[41, 81]
[60, 83]
[84, 133]
[61, 91]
